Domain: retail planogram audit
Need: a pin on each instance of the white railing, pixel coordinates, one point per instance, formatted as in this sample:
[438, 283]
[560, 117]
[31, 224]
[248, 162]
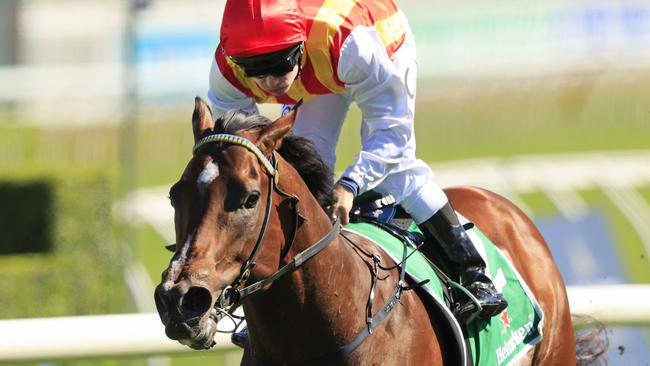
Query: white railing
[88, 336]
[143, 334]
[612, 304]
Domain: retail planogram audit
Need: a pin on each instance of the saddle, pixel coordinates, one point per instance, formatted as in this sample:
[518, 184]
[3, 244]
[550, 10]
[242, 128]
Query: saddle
[383, 211]
[499, 340]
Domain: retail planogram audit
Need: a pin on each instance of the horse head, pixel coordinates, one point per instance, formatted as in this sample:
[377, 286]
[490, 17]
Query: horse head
[223, 212]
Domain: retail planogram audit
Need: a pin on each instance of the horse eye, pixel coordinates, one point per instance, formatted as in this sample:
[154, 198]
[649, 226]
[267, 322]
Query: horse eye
[252, 199]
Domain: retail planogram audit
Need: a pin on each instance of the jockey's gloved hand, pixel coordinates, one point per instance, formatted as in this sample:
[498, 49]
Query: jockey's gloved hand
[341, 208]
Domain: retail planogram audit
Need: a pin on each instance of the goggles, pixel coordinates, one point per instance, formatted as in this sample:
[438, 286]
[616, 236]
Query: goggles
[276, 63]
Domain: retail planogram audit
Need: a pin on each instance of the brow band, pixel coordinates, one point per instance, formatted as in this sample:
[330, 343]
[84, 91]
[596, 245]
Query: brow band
[241, 141]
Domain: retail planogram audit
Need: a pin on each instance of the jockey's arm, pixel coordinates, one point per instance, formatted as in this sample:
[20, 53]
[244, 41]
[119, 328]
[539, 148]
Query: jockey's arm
[224, 96]
[387, 121]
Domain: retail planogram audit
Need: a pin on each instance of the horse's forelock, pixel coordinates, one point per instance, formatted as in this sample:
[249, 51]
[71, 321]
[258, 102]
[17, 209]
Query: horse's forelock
[236, 121]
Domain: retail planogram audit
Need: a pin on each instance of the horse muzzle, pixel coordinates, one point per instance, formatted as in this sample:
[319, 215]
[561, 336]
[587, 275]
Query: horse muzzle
[188, 315]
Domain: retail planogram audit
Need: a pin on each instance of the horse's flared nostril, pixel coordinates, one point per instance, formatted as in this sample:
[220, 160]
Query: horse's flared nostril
[196, 302]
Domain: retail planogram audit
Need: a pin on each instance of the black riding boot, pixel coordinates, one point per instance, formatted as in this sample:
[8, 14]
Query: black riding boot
[463, 262]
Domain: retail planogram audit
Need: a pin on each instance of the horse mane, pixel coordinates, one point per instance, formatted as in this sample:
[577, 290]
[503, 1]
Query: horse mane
[299, 151]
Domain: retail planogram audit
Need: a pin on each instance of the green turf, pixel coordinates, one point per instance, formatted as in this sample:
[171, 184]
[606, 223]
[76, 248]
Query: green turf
[534, 118]
[645, 193]
[631, 252]
[149, 248]
[539, 203]
[195, 358]
[488, 119]
[199, 358]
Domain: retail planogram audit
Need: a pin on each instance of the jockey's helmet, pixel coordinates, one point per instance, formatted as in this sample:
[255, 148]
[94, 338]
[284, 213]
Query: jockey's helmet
[258, 27]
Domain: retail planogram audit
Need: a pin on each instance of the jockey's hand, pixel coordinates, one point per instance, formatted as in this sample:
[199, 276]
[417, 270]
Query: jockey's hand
[341, 208]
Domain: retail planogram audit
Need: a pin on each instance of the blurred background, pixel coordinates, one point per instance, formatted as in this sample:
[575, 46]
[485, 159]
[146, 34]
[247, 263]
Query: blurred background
[547, 103]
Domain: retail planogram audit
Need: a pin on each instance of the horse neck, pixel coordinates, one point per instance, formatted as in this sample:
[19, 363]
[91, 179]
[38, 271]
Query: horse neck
[321, 303]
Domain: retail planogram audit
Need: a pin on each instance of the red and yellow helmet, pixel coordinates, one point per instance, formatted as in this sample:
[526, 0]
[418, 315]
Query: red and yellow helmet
[258, 27]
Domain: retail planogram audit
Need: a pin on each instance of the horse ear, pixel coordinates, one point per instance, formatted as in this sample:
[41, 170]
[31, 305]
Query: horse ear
[271, 138]
[201, 118]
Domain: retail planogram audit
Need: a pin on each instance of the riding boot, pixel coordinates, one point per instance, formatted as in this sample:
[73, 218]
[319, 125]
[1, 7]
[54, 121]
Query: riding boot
[240, 338]
[464, 264]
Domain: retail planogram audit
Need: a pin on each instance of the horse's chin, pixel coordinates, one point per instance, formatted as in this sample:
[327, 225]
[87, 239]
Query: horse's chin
[197, 334]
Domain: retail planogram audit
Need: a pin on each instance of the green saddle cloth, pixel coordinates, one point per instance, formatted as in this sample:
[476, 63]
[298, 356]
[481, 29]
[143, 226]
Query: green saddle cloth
[500, 340]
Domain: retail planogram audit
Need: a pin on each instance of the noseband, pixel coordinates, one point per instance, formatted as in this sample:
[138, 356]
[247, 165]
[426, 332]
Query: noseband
[233, 294]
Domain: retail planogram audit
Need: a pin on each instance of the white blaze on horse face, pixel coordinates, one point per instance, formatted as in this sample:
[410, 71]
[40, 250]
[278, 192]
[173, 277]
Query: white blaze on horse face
[176, 265]
[209, 174]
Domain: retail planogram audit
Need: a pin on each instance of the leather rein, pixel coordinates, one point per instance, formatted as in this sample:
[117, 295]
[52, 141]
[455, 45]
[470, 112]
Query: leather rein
[232, 296]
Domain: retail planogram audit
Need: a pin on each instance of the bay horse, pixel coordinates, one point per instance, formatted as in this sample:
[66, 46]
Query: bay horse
[248, 215]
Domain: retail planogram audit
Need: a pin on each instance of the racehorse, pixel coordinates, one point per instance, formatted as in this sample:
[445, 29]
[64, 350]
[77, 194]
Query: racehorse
[251, 230]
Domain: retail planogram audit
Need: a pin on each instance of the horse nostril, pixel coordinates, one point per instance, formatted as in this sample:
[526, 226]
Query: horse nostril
[196, 302]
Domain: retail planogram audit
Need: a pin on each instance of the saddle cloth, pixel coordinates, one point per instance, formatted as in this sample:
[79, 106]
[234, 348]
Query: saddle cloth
[500, 340]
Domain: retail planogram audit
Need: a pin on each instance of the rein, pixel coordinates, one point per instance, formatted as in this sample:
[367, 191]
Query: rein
[234, 294]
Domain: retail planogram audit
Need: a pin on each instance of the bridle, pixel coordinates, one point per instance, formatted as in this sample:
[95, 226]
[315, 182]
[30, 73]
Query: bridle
[232, 296]
[237, 291]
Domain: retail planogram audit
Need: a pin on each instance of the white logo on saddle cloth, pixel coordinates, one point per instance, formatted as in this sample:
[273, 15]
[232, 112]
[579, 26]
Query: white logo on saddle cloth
[517, 337]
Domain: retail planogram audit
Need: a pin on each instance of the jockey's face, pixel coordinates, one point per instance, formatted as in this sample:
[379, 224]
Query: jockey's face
[277, 85]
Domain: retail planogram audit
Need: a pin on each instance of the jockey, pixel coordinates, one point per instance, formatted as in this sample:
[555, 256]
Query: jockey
[331, 54]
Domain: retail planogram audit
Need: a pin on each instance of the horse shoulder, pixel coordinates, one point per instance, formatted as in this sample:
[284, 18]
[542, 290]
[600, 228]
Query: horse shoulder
[409, 326]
